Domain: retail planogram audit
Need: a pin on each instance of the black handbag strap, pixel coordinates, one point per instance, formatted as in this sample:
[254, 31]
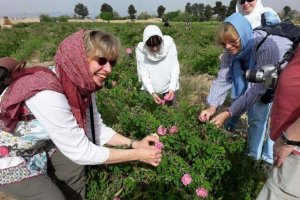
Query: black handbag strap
[92, 123]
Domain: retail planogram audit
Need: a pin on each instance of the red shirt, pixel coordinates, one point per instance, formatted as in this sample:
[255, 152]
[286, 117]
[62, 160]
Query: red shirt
[286, 104]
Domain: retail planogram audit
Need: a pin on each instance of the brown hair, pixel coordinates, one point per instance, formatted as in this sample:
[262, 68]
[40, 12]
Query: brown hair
[154, 41]
[226, 32]
[100, 44]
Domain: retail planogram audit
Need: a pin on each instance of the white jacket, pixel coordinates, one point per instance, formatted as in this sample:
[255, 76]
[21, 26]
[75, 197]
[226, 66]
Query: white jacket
[158, 72]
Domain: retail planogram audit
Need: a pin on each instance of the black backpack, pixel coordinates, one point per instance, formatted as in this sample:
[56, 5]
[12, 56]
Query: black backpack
[284, 29]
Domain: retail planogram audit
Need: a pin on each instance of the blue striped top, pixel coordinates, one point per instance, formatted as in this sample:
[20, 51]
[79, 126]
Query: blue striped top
[271, 51]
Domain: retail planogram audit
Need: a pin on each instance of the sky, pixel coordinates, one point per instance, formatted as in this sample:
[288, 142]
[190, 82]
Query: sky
[30, 8]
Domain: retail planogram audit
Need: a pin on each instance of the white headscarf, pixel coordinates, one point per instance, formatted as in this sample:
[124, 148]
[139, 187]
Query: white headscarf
[255, 16]
[166, 44]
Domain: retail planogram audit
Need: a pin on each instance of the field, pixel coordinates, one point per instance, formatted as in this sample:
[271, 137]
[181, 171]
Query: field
[215, 160]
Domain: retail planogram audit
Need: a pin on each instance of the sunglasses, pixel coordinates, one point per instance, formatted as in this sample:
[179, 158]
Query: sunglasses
[103, 61]
[244, 1]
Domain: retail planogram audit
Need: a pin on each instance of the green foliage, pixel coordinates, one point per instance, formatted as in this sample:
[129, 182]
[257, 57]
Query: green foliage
[47, 18]
[172, 15]
[106, 8]
[131, 11]
[63, 18]
[220, 10]
[144, 15]
[160, 11]
[215, 160]
[81, 10]
[106, 15]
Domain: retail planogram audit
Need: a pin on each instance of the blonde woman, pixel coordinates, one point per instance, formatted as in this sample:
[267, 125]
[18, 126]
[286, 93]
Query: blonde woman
[46, 123]
[240, 42]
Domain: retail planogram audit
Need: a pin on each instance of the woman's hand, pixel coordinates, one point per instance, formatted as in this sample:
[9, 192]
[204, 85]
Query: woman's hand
[220, 119]
[207, 113]
[145, 142]
[150, 155]
[156, 98]
[169, 96]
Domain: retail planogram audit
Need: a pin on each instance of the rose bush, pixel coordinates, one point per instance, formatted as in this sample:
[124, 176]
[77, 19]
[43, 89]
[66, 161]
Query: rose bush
[217, 162]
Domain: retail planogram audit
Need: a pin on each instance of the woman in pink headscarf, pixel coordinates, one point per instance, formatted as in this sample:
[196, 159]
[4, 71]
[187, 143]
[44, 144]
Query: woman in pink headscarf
[46, 117]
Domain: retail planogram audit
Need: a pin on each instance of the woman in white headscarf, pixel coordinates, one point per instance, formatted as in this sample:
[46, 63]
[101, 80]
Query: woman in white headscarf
[157, 65]
[256, 13]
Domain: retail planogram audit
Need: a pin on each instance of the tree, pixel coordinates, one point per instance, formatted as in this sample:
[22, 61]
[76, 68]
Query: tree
[144, 15]
[286, 10]
[106, 8]
[288, 13]
[81, 10]
[106, 12]
[188, 8]
[172, 15]
[131, 11]
[106, 15]
[116, 15]
[220, 10]
[231, 7]
[160, 11]
[208, 12]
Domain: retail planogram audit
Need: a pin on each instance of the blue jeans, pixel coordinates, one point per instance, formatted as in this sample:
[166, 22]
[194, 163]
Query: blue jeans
[260, 146]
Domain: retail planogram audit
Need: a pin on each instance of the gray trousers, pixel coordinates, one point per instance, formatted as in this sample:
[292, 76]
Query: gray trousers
[283, 183]
[65, 180]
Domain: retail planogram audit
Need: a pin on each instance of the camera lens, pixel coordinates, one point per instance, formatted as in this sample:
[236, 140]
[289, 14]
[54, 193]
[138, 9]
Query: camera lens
[254, 76]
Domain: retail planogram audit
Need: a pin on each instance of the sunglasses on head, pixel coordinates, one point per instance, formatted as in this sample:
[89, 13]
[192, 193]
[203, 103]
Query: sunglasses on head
[103, 61]
[244, 1]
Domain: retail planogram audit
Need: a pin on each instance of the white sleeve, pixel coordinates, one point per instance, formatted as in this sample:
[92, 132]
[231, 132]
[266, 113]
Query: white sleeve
[54, 113]
[175, 69]
[143, 73]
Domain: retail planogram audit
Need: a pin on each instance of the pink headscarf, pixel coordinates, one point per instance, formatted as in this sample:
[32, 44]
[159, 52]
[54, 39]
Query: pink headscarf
[74, 80]
[25, 83]
[75, 76]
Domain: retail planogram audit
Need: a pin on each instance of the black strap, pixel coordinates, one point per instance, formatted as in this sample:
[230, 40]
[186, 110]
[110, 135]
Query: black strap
[92, 122]
[261, 42]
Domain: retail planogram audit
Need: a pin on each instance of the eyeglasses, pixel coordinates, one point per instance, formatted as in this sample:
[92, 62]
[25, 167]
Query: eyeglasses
[231, 43]
[243, 1]
[103, 61]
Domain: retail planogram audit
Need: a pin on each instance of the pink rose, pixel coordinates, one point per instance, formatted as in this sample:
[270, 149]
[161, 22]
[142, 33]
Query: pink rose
[186, 179]
[173, 130]
[3, 151]
[167, 97]
[159, 145]
[128, 51]
[162, 130]
[201, 192]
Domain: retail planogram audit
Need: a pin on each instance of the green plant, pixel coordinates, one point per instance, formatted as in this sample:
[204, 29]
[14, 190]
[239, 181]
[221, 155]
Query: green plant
[215, 160]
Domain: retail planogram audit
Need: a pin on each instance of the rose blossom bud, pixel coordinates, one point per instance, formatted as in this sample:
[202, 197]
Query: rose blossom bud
[161, 130]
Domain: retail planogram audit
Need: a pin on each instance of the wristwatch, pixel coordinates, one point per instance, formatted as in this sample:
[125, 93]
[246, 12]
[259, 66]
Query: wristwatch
[289, 142]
